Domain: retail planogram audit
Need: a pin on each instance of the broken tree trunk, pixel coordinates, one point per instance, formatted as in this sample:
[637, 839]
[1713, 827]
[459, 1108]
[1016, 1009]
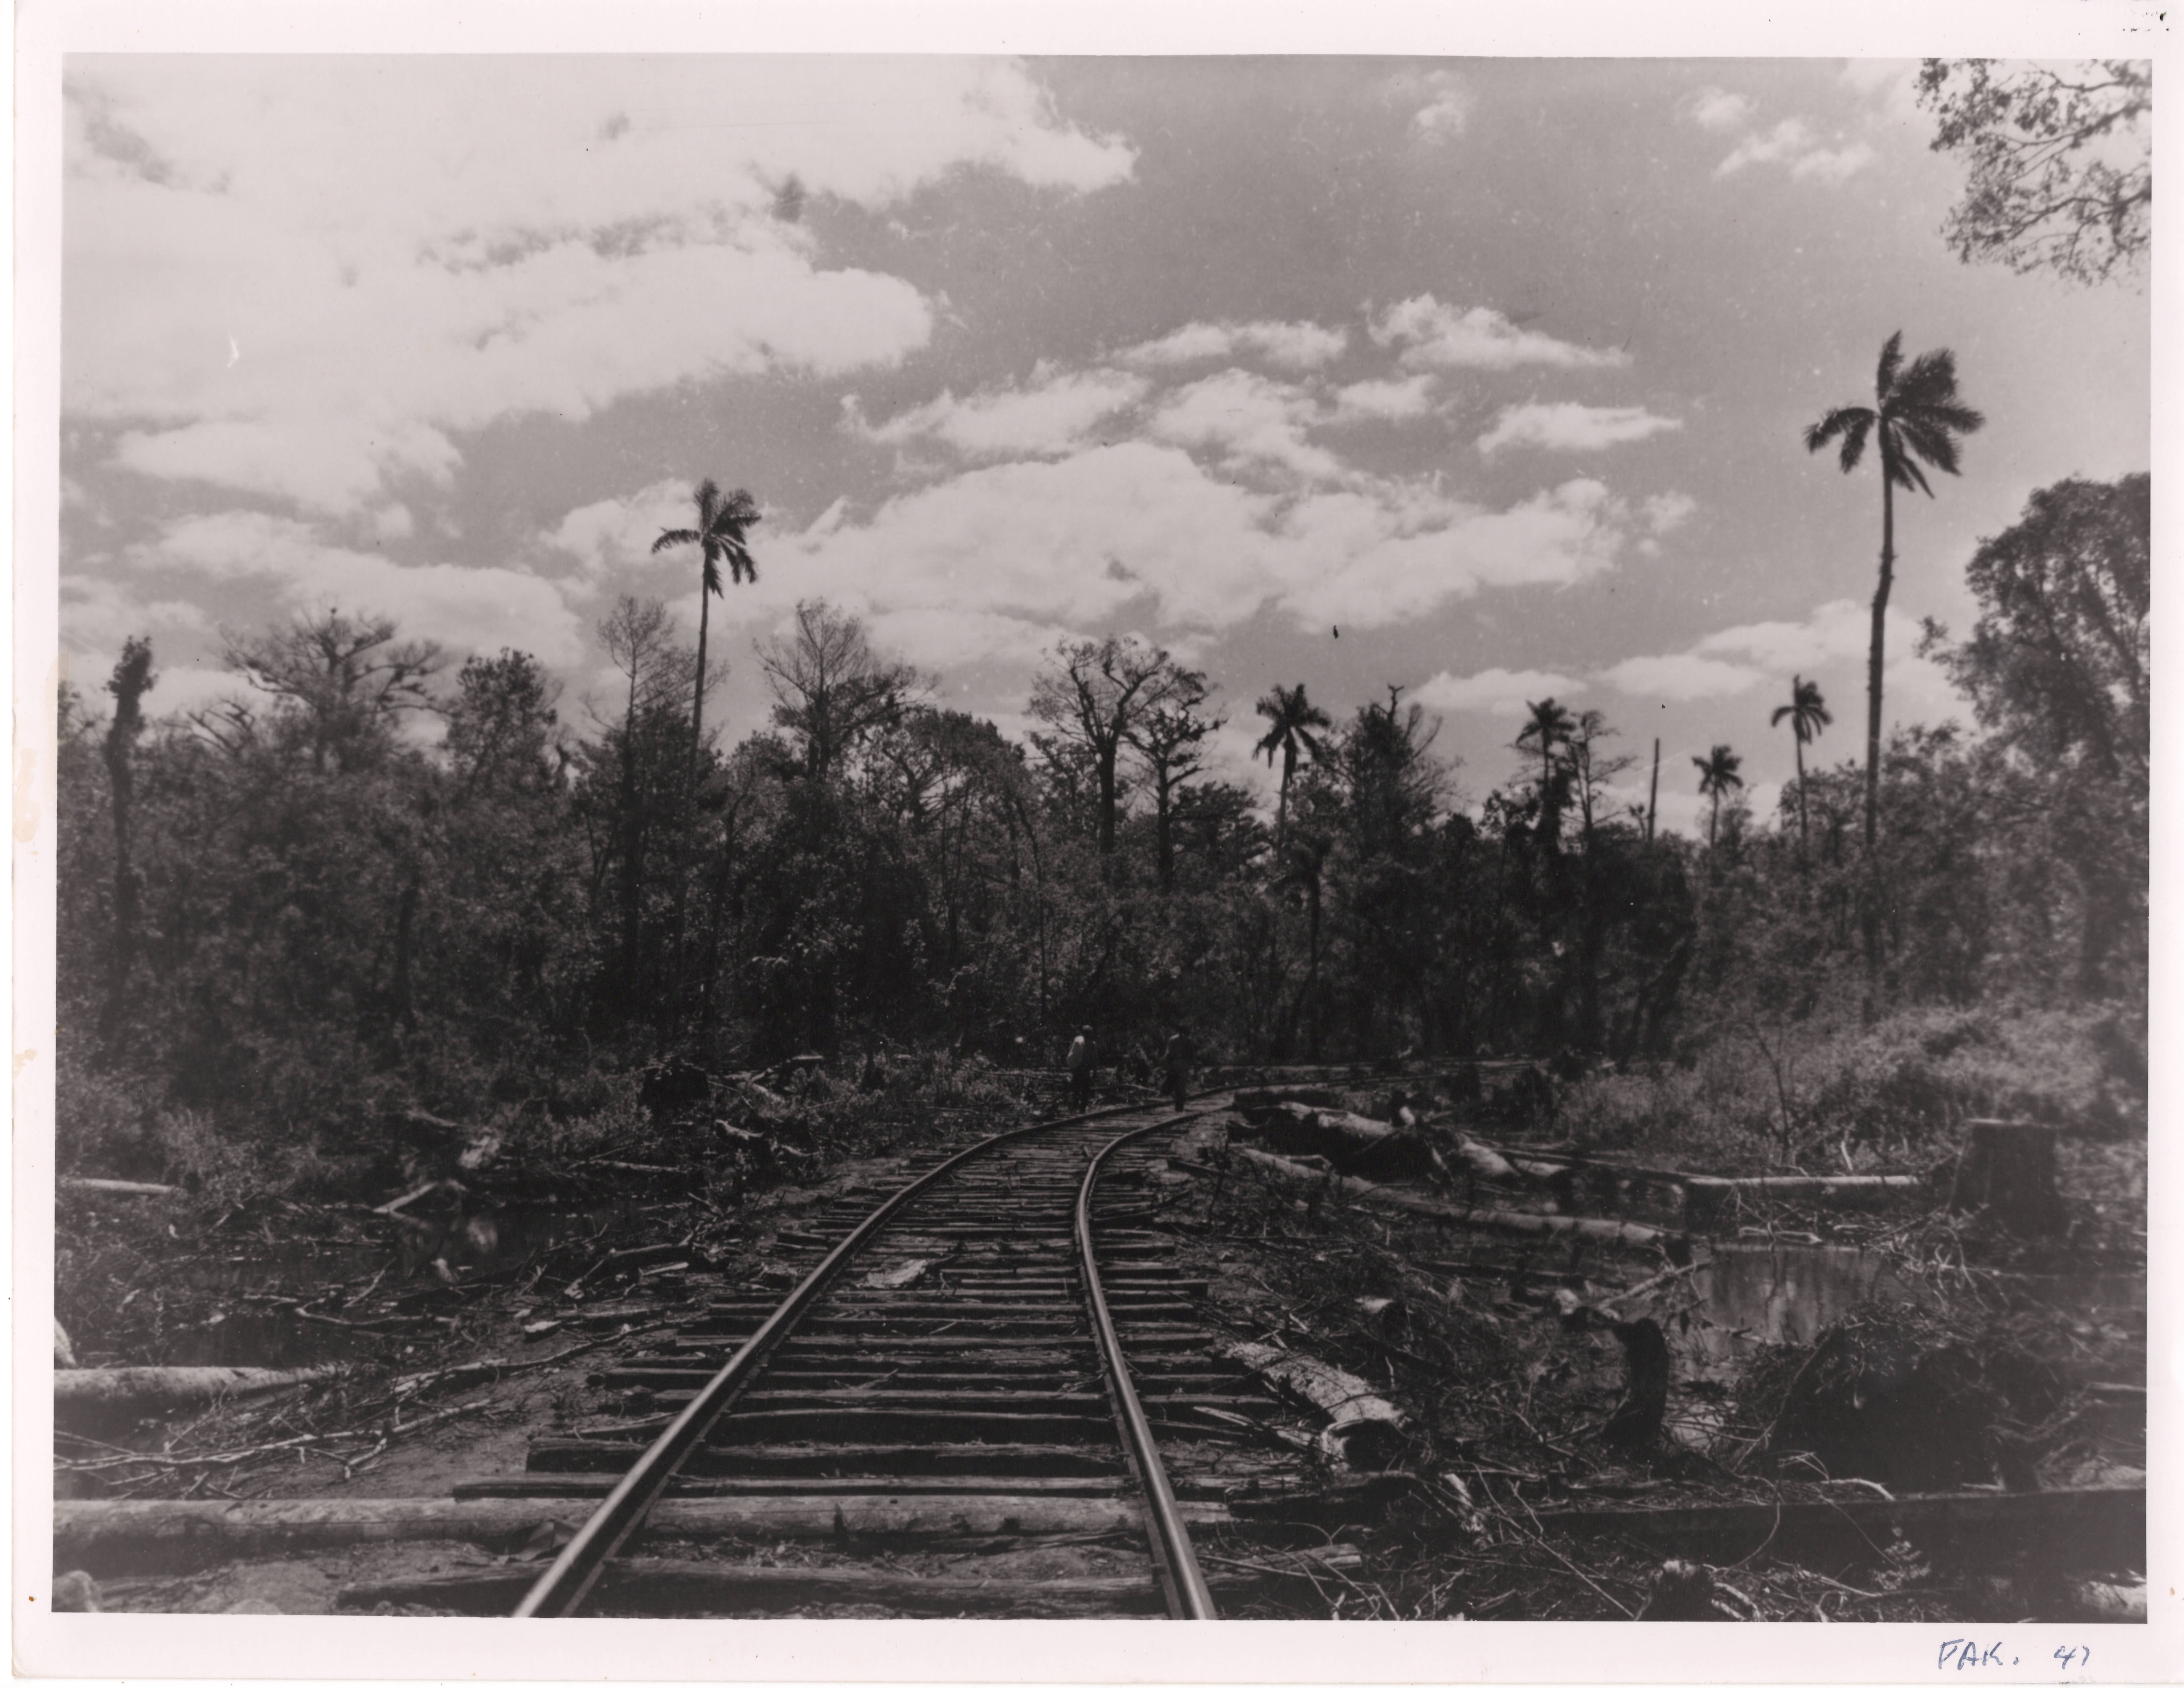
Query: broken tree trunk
[2009, 1170]
[1515, 1221]
[1362, 1429]
[166, 1389]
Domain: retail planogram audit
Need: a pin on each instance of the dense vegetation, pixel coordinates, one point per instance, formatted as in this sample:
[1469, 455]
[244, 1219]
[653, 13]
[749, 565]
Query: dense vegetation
[382, 882]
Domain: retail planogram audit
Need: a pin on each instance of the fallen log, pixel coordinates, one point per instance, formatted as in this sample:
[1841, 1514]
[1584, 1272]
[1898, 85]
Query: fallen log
[1707, 1198]
[119, 1187]
[1362, 1429]
[685, 1588]
[112, 1538]
[1512, 1220]
[165, 1389]
[1349, 1141]
[2087, 1527]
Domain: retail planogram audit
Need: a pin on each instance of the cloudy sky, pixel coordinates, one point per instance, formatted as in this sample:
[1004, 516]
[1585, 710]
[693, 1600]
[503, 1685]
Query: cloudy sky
[1482, 378]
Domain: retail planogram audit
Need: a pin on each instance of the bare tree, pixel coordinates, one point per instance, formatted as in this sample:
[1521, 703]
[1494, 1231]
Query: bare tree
[1170, 740]
[1093, 693]
[831, 688]
[345, 678]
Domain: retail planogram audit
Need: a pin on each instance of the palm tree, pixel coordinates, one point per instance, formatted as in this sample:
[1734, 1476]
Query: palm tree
[1549, 725]
[1294, 720]
[1718, 776]
[723, 523]
[1917, 417]
[1807, 714]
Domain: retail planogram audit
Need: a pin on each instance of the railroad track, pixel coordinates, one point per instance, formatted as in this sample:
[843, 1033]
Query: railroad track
[992, 1393]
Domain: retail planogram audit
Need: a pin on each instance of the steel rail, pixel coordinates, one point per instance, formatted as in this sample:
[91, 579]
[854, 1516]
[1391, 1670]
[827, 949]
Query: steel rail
[566, 1583]
[1188, 1598]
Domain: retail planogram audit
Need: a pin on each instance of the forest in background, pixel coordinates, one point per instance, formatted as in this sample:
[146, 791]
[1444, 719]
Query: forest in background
[376, 882]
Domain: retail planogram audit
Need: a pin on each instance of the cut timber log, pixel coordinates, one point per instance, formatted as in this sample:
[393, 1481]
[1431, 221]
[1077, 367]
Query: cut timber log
[1512, 1220]
[110, 1538]
[2080, 1526]
[2009, 1170]
[684, 1588]
[1351, 1142]
[1706, 1200]
[166, 1389]
[119, 1187]
[1362, 1430]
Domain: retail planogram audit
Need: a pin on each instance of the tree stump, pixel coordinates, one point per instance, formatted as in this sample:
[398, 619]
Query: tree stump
[2009, 1169]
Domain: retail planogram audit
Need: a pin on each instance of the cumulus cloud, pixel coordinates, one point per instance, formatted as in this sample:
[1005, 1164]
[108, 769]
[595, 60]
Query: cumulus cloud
[1572, 427]
[1832, 640]
[617, 533]
[1435, 336]
[1054, 413]
[1718, 109]
[1497, 691]
[989, 564]
[1664, 512]
[1286, 345]
[99, 613]
[1247, 418]
[1444, 109]
[1792, 144]
[531, 237]
[465, 609]
[1684, 677]
[1384, 401]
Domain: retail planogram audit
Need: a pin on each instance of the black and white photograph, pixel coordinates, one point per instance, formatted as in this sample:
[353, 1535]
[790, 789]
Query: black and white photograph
[1300, 837]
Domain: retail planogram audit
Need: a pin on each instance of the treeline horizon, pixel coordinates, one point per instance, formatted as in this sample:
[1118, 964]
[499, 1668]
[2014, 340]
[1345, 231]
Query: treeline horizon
[286, 912]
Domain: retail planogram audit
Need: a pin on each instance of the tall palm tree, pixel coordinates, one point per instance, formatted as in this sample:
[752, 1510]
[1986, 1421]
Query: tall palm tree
[1917, 418]
[723, 525]
[1717, 777]
[1295, 722]
[1807, 712]
[1550, 726]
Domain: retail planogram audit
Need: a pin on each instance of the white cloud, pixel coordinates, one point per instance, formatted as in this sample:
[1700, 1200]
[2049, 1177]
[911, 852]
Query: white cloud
[1054, 413]
[528, 236]
[1446, 111]
[1245, 417]
[1144, 531]
[1718, 109]
[1665, 512]
[1498, 691]
[1833, 641]
[1389, 401]
[1832, 166]
[99, 613]
[1436, 336]
[1572, 427]
[466, 609]
[1792, 144]
[1286, 345]
[1386, 555]
[1684, 677]
[618, 533]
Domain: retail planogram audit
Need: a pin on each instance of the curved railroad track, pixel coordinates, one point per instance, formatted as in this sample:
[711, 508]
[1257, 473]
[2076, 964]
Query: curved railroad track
[1003, 1339]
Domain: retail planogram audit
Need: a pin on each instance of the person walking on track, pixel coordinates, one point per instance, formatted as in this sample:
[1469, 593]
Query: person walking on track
[1176, 1059]
[1079, 1063]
